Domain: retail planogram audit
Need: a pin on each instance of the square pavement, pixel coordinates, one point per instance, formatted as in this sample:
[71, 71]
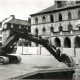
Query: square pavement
[29, 65]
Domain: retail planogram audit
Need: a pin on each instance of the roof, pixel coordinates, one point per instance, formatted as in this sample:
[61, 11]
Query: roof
[54, 8]
[4, 19]
[45, 10]
[48, 9]
[19, 22]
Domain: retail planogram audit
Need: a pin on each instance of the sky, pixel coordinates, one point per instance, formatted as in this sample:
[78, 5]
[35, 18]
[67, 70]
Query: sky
[22, 8]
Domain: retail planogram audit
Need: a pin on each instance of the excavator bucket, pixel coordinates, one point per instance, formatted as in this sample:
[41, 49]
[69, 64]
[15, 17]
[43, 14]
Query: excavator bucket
[67, 60]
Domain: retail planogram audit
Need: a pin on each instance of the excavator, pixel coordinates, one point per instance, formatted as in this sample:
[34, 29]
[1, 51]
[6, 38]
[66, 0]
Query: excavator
[7, 48]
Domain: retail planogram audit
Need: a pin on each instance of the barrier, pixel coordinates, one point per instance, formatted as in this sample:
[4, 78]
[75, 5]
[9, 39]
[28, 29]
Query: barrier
[32, 50]
[68, 51]
[43, 51]
[27, 50]
[77, 52]
[19, 50]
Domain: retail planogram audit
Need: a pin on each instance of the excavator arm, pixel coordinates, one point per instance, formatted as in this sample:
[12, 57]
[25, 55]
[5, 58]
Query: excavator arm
[51, 48]
[9, 45]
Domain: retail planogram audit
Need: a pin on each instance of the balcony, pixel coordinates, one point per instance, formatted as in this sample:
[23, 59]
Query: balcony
[66, 33]
[72, 32]
[56, 33]
[76, 32]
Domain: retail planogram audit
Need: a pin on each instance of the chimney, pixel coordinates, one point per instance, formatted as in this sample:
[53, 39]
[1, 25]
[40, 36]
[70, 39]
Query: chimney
[29, 19]
[13, 16]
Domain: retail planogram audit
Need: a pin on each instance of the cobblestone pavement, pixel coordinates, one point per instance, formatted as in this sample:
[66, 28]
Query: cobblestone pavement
[29, 64]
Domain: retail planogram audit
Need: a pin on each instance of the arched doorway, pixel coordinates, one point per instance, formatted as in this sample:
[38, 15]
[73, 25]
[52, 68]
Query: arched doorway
[57, 42]
[67, 43]
[77, 42]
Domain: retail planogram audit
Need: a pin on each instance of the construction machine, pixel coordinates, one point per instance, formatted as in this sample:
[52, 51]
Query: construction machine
[6, 49]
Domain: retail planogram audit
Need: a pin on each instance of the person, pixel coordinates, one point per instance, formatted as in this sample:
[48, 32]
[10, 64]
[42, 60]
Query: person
[58, 52]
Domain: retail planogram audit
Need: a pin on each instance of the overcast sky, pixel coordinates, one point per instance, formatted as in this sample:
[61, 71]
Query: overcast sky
[22, 8]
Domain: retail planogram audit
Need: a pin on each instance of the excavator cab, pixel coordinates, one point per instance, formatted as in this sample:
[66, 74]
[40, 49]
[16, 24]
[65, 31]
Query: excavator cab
[6, 50]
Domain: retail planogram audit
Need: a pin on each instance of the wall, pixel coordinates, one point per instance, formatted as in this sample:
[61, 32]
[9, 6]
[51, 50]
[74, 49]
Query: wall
[27, 50]
[44, 51]
[75, 52]
[5, 35]
[68, 51]
[32, 50]
[4, 26]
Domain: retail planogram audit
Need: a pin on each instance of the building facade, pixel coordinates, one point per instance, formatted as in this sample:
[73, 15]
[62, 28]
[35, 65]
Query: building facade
[14, 23]
[60, 24]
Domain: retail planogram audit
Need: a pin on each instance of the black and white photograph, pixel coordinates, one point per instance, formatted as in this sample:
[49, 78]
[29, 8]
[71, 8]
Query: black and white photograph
[40, 39]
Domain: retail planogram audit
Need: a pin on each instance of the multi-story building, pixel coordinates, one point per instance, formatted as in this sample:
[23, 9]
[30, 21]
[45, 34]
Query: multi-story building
[0, 34]
[60, 24]
[12, 22]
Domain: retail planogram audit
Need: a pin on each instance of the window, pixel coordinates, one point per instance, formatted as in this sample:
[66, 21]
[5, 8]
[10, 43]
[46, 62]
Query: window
[15, 26]
[77, 42]
[36, 20]
[36, 31]
[77, 2]
[43, 19]
[60, 17]
[78, 14]
[69, 27]
[0, 32]
[51, 18]
[0, 38]
[20, 27]
[69, 16]
[60, 28]
[29, 28]
[79, 28]
[9, 25]
[52, 29]
[0, 25]
[5, 26]
[59, 4]
[67, 42]
[44, 29]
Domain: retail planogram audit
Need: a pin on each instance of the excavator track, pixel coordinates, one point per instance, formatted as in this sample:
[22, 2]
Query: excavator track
[11, 58]
[4, 59]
